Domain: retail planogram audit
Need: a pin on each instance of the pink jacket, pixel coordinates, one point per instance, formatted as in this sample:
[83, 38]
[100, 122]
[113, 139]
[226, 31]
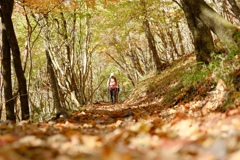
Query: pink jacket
[112, 82]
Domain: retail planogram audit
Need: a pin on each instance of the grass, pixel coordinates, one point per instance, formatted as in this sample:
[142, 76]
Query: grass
[183, 81]
[166, 86]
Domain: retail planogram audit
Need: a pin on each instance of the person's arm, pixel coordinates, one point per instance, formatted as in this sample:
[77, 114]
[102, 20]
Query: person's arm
[108, 84]
[117, 85]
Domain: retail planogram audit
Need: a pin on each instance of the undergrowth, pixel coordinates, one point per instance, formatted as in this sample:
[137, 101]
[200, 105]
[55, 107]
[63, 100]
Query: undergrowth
[186, 81]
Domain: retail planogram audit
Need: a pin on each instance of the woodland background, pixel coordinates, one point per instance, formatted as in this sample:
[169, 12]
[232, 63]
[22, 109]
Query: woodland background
[86, 40]
[177, 62]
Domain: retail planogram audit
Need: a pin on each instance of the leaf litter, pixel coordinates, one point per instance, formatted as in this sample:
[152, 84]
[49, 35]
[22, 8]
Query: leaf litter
[113, 133]
[133, 130]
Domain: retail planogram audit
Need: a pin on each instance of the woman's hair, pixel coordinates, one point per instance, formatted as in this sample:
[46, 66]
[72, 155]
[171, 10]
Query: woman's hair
[115, 79]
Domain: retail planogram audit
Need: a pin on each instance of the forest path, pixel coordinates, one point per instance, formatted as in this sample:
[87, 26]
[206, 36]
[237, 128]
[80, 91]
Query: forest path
[149, 131]
[126, 131]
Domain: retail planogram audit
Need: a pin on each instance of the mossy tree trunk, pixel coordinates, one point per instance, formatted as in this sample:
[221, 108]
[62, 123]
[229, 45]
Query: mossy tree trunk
[225, 30]
[203, 41]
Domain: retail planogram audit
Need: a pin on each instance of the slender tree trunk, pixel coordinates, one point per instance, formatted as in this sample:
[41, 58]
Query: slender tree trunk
[53, 82]
[180, 40]
[7, 8]
[173, 44]
[70, 70]
[60, 110]
[6, 64]
[55, 93]
[86, 56]
[136, 62]
[234, 8]
[162, 35]
[147, 65]
[151, 41]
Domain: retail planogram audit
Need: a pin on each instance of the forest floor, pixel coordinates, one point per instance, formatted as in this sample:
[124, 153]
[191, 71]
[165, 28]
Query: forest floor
[149, 125]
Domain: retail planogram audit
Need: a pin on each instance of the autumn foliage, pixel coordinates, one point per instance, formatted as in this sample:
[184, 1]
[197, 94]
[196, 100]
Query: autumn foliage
[140, 128]
[186, 112]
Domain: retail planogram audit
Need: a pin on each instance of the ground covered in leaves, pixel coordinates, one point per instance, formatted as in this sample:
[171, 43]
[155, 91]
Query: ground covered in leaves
[154, 123]
[119, 131]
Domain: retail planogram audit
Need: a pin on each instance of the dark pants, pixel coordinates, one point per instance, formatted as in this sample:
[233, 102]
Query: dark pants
[113, 95]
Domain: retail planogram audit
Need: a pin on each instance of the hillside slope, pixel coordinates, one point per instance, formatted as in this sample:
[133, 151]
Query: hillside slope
[213, 88]
[176, 85]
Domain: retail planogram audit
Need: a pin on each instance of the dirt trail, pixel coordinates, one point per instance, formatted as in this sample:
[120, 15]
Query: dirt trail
[128, 132]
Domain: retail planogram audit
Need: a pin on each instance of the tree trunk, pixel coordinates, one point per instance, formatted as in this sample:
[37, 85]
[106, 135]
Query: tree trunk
[86, 60]
[173, 44]
[203, 41]
[70, 70]
[7, 8]
[53, 81]
[180, 40]
[136, 62]
[221, 27]
[234, 8]
[151, 41]
[6, 64]
[60, 110]
[162, 35]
